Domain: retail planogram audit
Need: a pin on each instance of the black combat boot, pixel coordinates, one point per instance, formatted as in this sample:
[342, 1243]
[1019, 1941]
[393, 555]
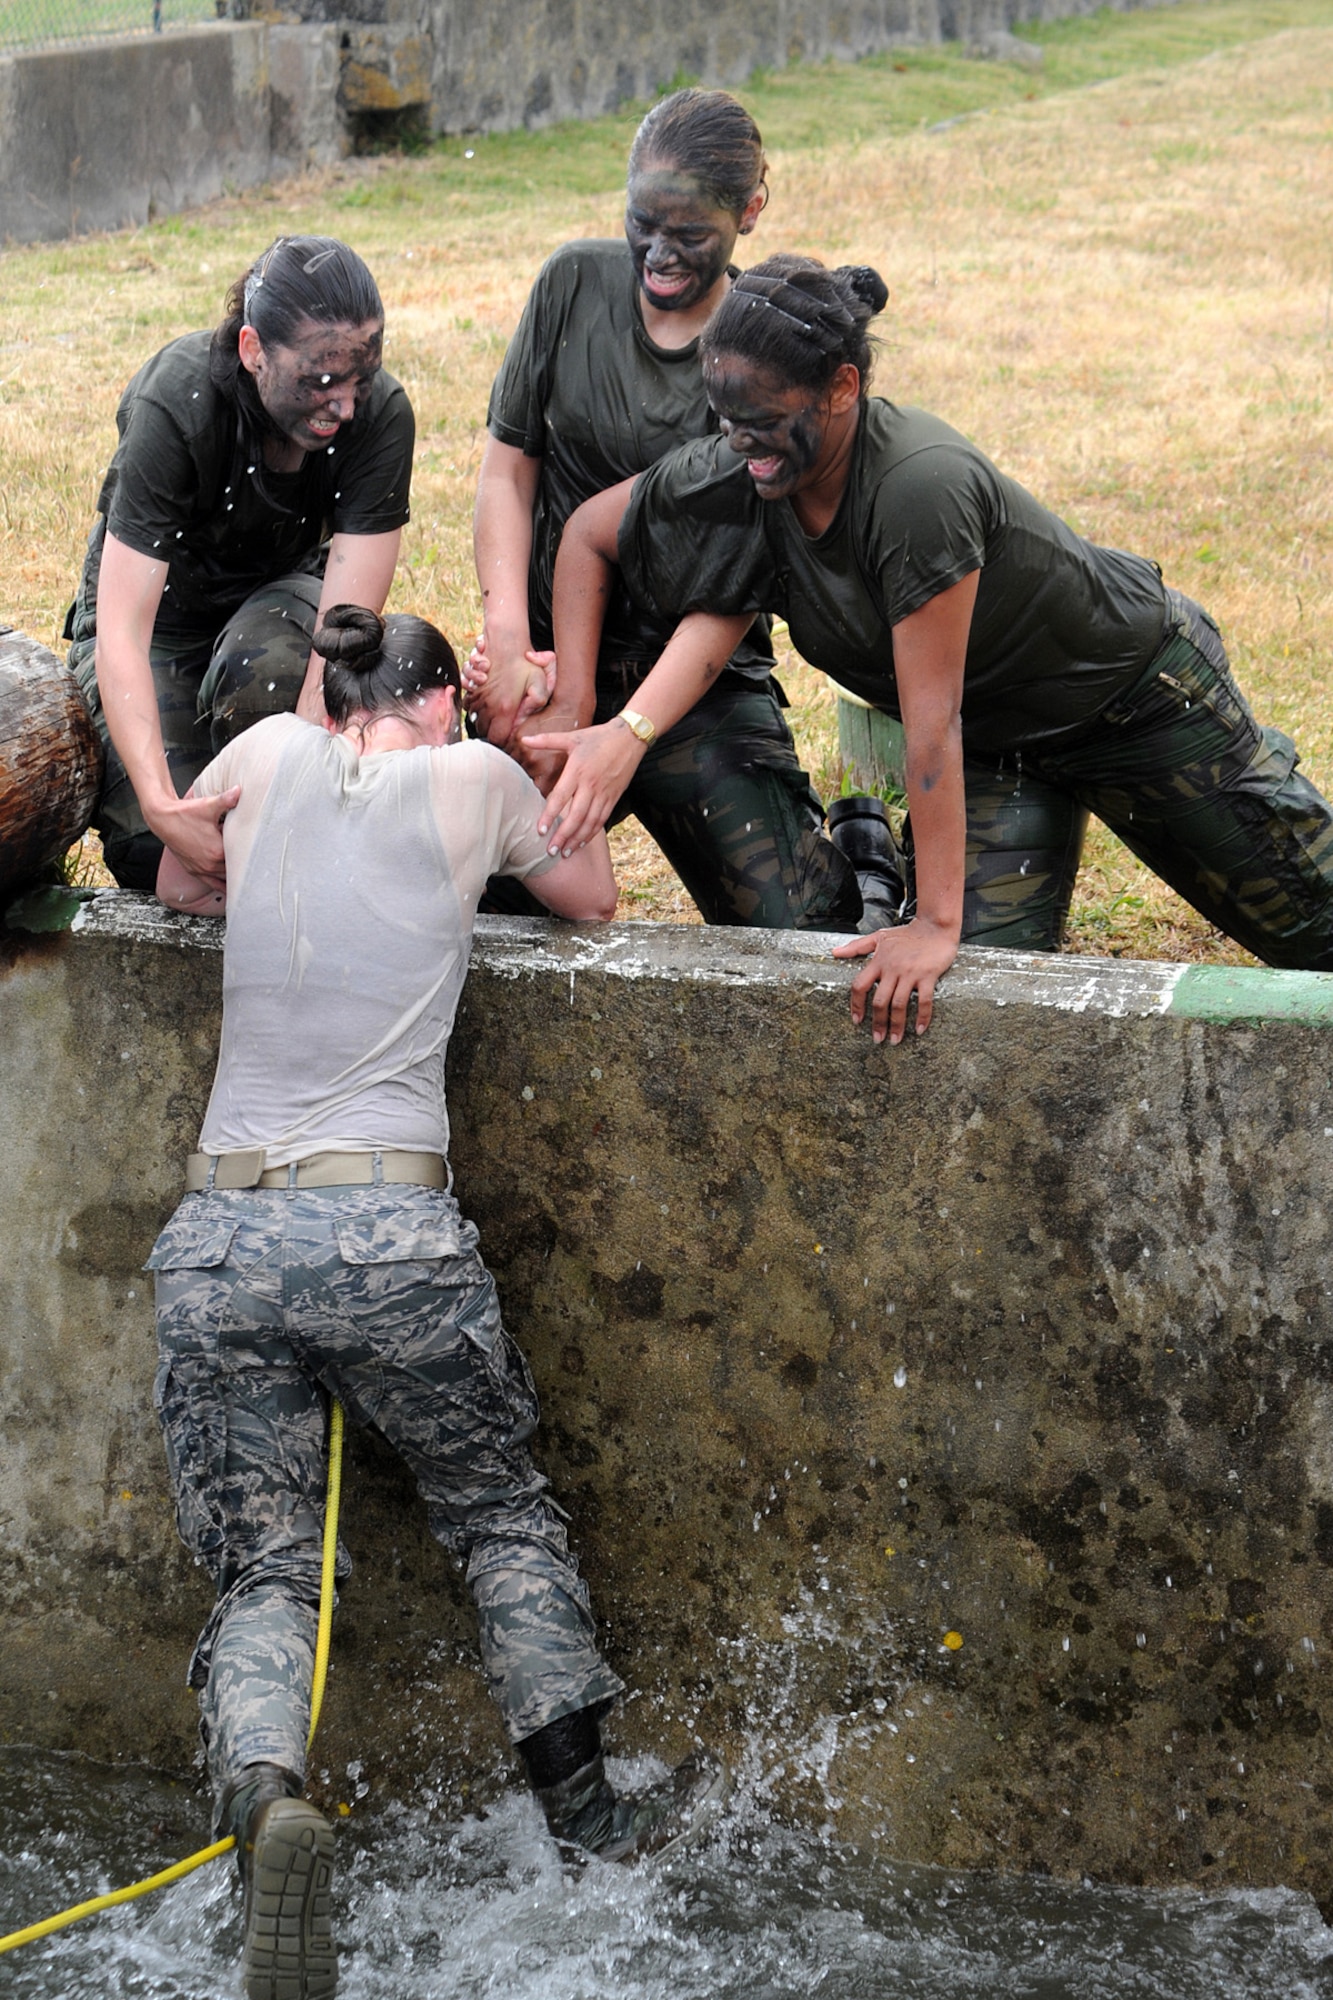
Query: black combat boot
[587, 1816]
[859, 828]
[284, 1849]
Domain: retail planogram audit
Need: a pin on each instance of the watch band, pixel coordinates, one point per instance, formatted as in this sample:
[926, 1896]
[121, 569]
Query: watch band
[639, 724]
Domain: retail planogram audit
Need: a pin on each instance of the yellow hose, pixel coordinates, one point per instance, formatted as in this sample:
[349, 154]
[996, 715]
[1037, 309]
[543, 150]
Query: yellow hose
[193, 1861]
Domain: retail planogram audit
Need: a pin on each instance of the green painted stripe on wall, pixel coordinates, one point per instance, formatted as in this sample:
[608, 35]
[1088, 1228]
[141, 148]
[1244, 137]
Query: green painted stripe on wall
[1253, 993]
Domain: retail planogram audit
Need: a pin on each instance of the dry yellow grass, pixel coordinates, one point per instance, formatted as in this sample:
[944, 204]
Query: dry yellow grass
[1122, 292]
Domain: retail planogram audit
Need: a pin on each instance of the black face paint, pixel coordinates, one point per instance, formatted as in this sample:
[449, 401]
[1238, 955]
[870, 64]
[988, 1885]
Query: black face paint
[778, 430]
[679, 243]
[315, 386]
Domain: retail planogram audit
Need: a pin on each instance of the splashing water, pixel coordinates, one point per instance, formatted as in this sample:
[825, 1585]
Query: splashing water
[432, 1907]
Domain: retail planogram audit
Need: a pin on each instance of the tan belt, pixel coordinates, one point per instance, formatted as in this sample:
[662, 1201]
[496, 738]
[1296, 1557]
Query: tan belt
[317, 1170]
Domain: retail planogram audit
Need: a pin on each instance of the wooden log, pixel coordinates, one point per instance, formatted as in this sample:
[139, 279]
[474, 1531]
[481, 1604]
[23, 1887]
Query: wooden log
[50, 760]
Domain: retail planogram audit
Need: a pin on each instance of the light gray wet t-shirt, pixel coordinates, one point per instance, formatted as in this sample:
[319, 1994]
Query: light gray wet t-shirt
[352, 884]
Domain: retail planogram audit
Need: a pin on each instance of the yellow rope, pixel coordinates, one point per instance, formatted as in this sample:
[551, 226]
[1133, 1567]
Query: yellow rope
[193, 1861]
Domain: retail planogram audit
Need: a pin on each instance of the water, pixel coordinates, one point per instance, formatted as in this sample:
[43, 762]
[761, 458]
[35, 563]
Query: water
[433, 1907]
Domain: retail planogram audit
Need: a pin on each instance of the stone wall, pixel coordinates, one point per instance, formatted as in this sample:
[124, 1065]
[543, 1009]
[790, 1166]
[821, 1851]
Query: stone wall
[107, 135]
[1016, 1336]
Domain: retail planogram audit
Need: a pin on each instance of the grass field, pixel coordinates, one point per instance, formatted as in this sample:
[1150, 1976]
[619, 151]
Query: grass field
[1115, 273]
[39, 23]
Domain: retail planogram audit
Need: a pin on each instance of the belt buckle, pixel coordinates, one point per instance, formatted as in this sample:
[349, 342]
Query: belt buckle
[240, 1169]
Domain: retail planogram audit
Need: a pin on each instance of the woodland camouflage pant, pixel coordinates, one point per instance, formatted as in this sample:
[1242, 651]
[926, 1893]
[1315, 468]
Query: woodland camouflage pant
[269, 1303]
[207, 692]
[724, 796]
[1181, 771]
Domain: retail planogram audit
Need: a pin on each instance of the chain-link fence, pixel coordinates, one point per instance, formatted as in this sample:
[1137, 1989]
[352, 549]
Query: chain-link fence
[41, 24]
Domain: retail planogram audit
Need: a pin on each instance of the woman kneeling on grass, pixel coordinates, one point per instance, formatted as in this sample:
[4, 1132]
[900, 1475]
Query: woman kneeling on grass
[1019, 657]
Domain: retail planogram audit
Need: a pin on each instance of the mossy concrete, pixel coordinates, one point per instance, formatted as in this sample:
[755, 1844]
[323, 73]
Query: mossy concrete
[1017, 1334]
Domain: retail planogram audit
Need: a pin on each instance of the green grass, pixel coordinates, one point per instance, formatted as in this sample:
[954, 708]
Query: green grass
[1113, 271]
[37, 23]
[812, 105]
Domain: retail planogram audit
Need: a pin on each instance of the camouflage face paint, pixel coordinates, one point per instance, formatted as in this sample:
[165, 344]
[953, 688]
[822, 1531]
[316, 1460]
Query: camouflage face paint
[315, 386]
[779, 430]
[679, 243]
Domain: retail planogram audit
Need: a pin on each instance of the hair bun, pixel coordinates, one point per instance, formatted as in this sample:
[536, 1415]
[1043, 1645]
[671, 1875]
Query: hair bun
[865, 284]
[352, 635]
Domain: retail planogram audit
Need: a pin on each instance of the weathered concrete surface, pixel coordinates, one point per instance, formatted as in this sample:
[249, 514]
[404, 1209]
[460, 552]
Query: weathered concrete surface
[109, 136]
[1019, 1333]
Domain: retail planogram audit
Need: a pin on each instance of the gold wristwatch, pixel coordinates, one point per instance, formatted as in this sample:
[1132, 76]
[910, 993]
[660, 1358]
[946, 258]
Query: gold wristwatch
[639, 724]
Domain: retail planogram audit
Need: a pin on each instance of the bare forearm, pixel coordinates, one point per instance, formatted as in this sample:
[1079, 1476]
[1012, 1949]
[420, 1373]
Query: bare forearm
[359, 570]
[687, 666]
[129, 703]
[502, 546]
[937, 803]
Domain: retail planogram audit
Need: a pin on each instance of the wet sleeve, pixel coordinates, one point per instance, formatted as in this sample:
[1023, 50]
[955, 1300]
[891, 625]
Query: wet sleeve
[486, 808]
[157, 481]
[374, 483]
[521, 850]
[516, 413]
[930, 520]
[692, 540]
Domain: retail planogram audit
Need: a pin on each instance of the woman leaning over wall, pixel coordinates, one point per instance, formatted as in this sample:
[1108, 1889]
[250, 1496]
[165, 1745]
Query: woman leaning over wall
[1017, 654]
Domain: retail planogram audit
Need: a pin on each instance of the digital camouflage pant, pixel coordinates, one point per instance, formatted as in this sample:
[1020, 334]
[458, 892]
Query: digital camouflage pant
[1178, 767]
[724, 796]
[207, 691]
[271, 1302]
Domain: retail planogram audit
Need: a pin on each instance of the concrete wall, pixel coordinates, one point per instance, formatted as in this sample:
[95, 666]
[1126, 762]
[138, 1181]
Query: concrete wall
[108, 135]
[1018, 1333]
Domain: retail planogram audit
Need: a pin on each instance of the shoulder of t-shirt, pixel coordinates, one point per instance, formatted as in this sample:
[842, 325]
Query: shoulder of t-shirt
[176, 381]
[897, 434]
[253, 755]
[602, 254]
[472, 762]
[702, 466]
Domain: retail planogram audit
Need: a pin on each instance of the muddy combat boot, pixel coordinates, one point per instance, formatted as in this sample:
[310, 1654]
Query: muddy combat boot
[284, 1849]
[859, 828]
[588, 1816]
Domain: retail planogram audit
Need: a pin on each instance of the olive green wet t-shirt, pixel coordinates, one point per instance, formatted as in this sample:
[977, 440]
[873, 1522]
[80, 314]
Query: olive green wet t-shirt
[1061, 625]
[583, 388]
[185, 485]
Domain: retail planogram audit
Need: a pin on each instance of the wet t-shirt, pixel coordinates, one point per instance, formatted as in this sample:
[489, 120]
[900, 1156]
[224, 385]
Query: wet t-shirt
[584, 388]
[1061, 625]
[185, 485]
[352, 885]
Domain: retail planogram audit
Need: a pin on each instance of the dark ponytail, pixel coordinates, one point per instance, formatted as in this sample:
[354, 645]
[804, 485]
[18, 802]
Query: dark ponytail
[799, 320]
[380, 664]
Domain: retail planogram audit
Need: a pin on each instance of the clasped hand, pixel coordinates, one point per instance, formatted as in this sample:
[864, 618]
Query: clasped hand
[502, 691]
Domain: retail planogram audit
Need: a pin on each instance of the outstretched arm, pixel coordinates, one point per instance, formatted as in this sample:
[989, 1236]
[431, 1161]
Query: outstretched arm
[599, 763]
[514, 683]
[359, 571]
[129, 591]
[929, 654]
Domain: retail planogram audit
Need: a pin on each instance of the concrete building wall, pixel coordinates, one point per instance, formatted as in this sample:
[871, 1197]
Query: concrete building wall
[1016, 1336]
